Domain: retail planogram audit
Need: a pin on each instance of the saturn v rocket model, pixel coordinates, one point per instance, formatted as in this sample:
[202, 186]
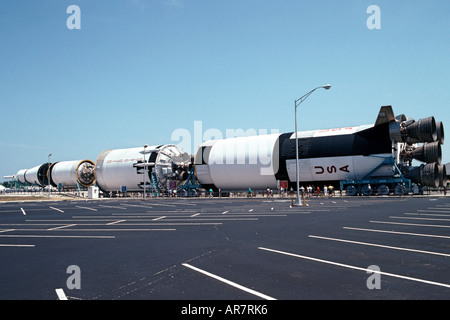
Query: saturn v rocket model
[355, 157]
[379, 155]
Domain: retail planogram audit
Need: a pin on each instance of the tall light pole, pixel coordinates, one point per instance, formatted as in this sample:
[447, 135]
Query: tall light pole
[48, 175]
[297, 103]
[145, 168]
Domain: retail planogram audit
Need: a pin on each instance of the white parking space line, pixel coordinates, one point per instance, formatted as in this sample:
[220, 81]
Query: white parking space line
[114, 207]
[173, 224]
[68, 220]
[229, 216]
[130, 222]
[427, 214]
[398, 232]
[163, 205]
[87, 208]
[136, 205]
[61, 295]
[169, 218]
[187, 204]
[186, 211]
[357, 268]
[412, 218]
[231, 283]
[97, 230]
[212, 219]
[142, 214]
[114, 222]
[187, 216]
[435, 211]
[47, 236]
[6, 230]
[61, 227]
[50, 224]
[18, 245]
[380, 245]
[411, 224]
[57, 209]
[23, 212]
[114, 217]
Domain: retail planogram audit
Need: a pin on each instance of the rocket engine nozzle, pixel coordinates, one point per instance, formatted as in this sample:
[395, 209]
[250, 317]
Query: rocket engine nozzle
[428, 152]
[442, 175]
[423, 130]
[430, 175]
[440, 132]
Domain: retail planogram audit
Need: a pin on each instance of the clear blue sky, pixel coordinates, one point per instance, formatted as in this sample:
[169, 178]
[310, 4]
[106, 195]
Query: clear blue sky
[139, 69]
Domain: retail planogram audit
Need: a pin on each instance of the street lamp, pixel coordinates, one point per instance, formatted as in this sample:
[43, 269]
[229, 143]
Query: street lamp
[297, 103]
[145, 168]
[48, 175]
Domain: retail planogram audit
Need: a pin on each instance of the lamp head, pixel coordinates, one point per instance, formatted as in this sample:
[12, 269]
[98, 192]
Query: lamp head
[327, 86]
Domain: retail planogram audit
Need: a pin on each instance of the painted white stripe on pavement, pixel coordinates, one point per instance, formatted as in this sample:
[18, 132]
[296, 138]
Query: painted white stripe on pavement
[427, 214]
[420, 218]
[61, 227]
[380, 245]
[118, 221]
[18, 245]
[398, 232]
[61, 295]
[44, 236]
[411, 224]
[100, 230]
[7, 230]
[86, 208]
[434, 211]
[358, 268]
[114, 207]
[231, 283]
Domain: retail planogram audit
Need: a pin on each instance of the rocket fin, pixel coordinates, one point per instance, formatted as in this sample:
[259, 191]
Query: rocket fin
[385, 115]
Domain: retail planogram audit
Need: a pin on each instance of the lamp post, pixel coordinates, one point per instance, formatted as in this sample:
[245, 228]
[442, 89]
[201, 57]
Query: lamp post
[48, 175]
[297, 103]
[145, 168]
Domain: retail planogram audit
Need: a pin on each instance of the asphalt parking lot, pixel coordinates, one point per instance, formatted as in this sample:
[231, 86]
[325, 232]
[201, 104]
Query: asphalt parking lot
[226, 249]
